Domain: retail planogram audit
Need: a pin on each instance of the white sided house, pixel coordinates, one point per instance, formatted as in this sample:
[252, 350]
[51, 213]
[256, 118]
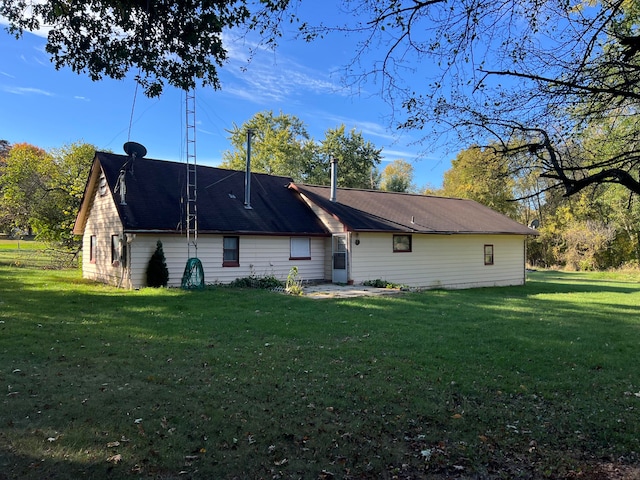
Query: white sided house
[330, 234]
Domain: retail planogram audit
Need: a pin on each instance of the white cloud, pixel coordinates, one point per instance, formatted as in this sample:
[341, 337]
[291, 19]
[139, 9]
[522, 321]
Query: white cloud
[266, 76]
[26, 91]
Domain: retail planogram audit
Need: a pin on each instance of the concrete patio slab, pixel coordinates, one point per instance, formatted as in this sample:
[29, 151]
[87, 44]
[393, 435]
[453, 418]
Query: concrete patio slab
[330, 290]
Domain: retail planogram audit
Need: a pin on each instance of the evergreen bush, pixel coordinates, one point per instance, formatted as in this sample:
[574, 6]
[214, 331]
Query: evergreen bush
[157, 271]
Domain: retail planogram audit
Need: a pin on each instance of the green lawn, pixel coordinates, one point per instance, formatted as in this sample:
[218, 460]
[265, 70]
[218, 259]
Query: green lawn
[540, 381]
[34, 254]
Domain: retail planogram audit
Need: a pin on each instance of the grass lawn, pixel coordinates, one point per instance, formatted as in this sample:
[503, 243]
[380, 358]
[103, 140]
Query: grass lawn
[34, 254]
[540, 381]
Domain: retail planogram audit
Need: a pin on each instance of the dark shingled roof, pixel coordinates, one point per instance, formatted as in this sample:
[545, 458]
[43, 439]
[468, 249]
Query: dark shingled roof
[378, 211]
[155, 191]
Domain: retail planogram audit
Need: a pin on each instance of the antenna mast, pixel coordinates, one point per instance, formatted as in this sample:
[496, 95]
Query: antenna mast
[192, 210]
[193, 276]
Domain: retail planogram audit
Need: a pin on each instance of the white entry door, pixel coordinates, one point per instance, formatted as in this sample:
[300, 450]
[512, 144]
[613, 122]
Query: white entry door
[339, 259]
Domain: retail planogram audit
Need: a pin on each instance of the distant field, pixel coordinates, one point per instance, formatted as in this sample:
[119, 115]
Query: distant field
[34, 254]
[532, 382]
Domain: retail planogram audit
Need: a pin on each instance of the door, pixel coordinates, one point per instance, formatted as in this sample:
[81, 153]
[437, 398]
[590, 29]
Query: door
[339, 259]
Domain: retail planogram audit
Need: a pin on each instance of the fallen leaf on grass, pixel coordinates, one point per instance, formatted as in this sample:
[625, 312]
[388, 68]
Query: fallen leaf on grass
[279, 463]
[113, 444]
[115, 458]
[457, 415]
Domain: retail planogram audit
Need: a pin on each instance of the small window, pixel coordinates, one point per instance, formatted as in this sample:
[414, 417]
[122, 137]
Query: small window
[300, 248]
[402, 243]
[92, 249]
[115, 250]
[488, 254]
[231, 252]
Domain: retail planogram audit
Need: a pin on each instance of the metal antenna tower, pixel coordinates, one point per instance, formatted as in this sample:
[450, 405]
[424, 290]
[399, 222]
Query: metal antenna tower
[192, 194]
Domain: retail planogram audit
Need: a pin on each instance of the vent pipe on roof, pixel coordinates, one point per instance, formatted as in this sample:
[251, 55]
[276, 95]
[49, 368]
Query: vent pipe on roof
[334, 179]
[247, 173]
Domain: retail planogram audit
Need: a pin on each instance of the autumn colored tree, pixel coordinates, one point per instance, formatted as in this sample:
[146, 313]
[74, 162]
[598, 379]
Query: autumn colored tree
[24, 182]
[481, 175]
[397, 177]
[41, 191]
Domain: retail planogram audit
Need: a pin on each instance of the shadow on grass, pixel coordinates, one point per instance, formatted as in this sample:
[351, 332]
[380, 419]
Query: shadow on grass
[524, 381]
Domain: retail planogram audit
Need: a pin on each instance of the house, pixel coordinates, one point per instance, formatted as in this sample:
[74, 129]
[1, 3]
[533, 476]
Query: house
[328, 233]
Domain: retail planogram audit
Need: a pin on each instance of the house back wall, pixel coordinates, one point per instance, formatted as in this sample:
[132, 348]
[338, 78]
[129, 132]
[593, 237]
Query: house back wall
[439, 261]
[259, 256]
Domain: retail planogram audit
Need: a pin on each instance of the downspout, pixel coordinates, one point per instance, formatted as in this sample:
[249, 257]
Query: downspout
[247, 174]
[334, 179]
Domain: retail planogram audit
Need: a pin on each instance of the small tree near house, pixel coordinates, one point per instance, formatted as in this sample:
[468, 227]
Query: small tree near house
[157, 271]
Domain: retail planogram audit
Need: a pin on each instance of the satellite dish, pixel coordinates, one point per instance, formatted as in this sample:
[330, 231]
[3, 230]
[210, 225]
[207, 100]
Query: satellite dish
[535, 223]
[134, 149]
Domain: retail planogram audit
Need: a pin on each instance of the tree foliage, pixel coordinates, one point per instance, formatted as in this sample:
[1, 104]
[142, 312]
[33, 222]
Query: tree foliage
[157, 270]
[41, 191]
[281, 146]
[358, 159]
[397, 177]
[481, 175]
[24, 183]
[177, 42]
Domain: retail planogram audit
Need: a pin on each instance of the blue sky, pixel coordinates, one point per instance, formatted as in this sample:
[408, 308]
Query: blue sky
[50, 108]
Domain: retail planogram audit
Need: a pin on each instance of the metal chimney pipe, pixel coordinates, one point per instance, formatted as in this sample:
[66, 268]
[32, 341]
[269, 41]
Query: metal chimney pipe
[247, 173]
[334, 179]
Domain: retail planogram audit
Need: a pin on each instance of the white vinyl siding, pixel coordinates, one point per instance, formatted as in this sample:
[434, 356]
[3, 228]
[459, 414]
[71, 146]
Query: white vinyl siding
[102, 222]
[439, 261]
[329, 221]
[259, 255]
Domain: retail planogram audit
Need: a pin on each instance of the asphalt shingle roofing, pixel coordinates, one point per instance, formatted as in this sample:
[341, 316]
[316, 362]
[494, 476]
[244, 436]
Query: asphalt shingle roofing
[155, 191]
[378, 211]
[155, 201]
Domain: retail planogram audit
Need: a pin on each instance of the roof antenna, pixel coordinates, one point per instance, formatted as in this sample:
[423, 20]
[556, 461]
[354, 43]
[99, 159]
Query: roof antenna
[134, 150]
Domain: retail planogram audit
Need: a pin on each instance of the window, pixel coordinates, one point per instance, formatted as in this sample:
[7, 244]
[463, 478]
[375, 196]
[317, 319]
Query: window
[300, 248]
[231, 252]
[92, 249]
[115, 250]
[488, 254]
[402, 243]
